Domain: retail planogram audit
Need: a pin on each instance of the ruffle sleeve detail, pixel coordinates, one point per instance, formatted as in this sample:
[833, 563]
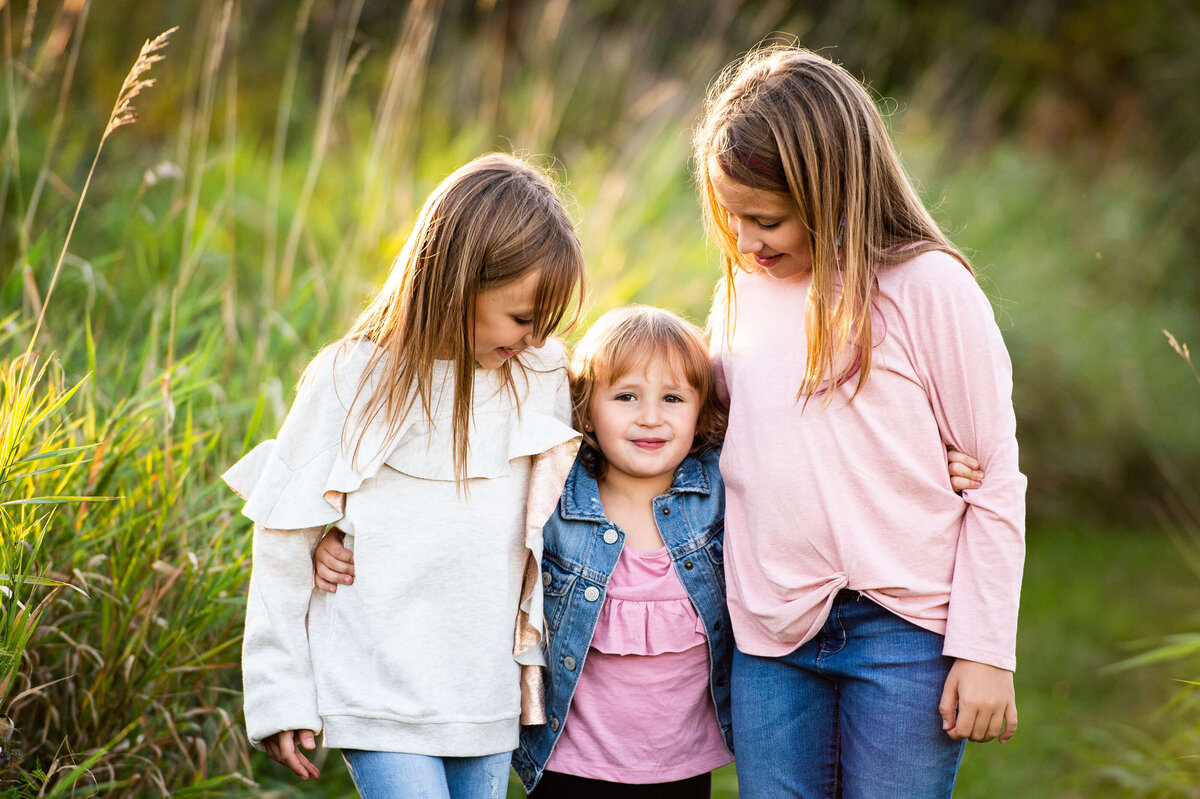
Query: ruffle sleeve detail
[497, 437]
[279, 497]
[546, 480]
[647, 627]
[300, 479]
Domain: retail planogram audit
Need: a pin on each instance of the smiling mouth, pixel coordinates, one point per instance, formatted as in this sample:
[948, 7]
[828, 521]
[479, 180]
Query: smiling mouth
[767, 260]
[649, 443]
[508, 352]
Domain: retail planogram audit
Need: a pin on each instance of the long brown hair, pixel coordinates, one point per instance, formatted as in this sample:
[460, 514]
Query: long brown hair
[786, 120]
[491, 222]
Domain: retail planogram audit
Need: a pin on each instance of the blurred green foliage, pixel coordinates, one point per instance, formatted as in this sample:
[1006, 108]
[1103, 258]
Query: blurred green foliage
[1058, 140]
[277, 165]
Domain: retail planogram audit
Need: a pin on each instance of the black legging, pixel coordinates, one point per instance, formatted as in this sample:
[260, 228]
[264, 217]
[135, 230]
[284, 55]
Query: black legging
[565, 786]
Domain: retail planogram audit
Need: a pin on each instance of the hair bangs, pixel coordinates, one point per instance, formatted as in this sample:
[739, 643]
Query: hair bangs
[560, 289]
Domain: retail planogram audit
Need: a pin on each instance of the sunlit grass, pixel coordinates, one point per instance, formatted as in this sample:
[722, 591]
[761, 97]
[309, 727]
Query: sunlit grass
[241, 224]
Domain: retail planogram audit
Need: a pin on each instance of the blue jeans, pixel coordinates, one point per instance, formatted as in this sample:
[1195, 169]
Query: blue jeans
[397, 775]
[852, 714]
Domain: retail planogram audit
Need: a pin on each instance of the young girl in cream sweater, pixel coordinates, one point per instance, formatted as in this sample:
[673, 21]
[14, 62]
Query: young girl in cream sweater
[416, 435]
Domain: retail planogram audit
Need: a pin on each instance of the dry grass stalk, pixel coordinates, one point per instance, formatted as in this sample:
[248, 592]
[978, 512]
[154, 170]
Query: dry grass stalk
[1182, 349]
[340, 67]
[123, 113]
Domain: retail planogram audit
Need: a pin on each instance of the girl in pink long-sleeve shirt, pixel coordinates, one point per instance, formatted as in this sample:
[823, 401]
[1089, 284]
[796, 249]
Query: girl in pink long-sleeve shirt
[874, 609]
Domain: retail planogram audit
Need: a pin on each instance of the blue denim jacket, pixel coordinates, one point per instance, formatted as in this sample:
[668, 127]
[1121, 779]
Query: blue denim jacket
[581, 549]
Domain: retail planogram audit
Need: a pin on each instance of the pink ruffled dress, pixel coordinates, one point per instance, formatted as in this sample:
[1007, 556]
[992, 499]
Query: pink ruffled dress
[642, 710]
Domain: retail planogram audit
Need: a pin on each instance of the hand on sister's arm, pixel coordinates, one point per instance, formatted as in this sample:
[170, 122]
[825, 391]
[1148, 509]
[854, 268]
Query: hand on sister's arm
[964, 470]
[978, 702]
[333, 564]
[282, 748]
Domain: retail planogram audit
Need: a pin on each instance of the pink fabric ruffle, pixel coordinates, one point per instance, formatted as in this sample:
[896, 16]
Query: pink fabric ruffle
[647, 610]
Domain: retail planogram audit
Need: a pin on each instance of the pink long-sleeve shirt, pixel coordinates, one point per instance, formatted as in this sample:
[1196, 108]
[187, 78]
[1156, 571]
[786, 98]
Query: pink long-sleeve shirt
[856, 494]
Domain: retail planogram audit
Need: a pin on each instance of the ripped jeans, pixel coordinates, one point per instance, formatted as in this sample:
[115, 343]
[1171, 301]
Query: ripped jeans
[398, 775]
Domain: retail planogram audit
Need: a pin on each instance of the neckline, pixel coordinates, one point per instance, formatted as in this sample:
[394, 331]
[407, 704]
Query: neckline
[647, 554]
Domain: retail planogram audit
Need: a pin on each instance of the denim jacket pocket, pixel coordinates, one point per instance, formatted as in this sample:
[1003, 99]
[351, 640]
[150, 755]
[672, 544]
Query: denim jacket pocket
[715, 548]
[556, 588]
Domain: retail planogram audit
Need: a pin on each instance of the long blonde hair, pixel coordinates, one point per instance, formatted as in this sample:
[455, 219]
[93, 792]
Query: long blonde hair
[491, 222]
[786, 120]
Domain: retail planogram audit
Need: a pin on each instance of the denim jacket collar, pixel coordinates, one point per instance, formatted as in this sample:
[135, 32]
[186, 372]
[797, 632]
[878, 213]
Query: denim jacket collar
[581, 497]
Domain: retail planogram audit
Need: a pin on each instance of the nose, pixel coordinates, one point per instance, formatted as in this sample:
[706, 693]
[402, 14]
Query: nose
[533, 340]
[747, 241]
[650, 414]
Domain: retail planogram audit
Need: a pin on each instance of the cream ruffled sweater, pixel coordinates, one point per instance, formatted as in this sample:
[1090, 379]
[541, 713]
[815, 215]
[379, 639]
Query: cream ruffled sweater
[424, 653]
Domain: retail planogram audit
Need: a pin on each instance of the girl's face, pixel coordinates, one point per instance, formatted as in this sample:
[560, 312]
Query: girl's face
[504, 321]
[766, 224]
[645, 423]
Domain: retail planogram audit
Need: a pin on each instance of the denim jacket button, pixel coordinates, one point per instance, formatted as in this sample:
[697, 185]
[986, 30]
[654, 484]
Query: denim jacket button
[687, 564]
[569, 663]
[546, 578]
[553, 725]
[610, 536]
[527, 774]
[592, 593]
[666, 511]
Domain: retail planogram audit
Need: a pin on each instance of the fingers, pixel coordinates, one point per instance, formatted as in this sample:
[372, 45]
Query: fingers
[978, 703]
[963, 724]
[1010, 724]
[333, 563]
[954, 456]
[948, 706]
[281, 747]
[960, 484]
[338, 548]
[986, 727]
[327, 573]
[964, 470]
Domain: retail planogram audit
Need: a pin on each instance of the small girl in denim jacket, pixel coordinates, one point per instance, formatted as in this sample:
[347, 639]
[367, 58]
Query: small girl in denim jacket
[638, 636]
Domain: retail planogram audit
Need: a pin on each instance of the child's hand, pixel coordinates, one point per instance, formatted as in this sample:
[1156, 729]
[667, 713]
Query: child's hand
[978, 702]
[332, 562]
[964, 470]
[282, 748]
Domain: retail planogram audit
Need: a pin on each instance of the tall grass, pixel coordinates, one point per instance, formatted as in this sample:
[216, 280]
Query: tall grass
[1163, 762]
[244, 220]
[92, 681]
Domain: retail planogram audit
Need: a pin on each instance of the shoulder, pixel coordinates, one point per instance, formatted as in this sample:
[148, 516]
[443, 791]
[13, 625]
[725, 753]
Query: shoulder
[701, 471]
[710, 459]
[546, 378]
[337, 372]
[929, 281]
[549, 357]
[929, 270]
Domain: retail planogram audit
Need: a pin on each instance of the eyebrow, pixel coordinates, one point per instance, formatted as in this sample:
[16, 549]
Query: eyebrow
[760, 213]
[671, 387]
